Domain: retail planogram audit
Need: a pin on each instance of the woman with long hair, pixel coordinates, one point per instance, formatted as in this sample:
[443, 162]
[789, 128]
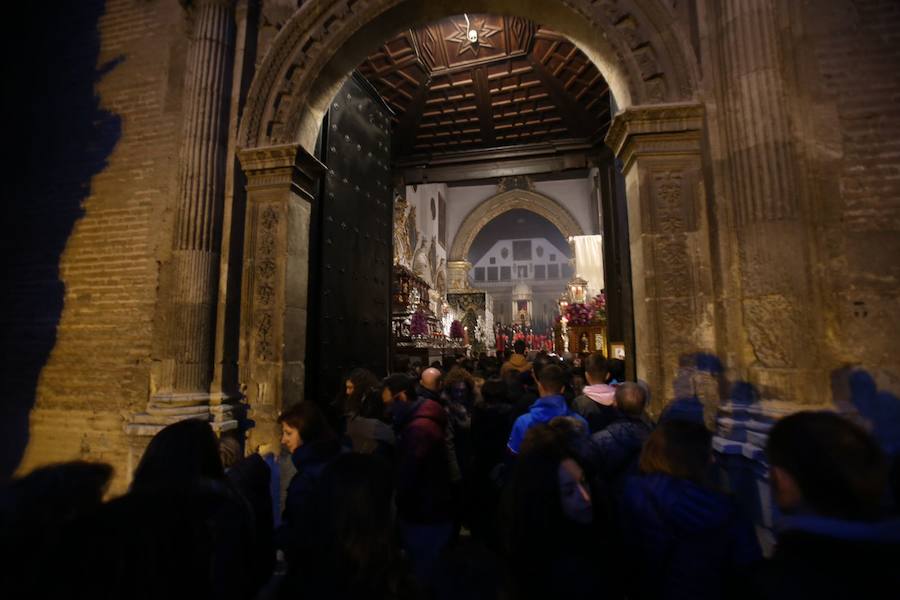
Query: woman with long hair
[549, 539]
[686, 539]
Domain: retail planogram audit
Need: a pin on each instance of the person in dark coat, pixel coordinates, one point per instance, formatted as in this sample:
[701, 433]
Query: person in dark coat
[424, 494]
[596, 402]
[182, 530]
[613, 452]
[251, 477]
[352, 552]
[829, 478]
[312, 444]
[492, 419]
[552, 543]
[685, 539]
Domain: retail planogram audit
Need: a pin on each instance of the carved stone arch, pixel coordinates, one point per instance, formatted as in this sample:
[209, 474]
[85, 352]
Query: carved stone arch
[637, 45]
[495, 206]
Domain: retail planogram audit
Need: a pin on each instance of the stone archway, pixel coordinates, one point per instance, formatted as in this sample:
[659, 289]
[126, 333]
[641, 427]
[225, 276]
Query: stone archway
[636, 44]
[544, 206]
[642, 52]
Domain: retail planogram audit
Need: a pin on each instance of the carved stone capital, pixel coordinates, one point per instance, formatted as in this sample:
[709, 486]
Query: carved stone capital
[458, 275]
[657, 130]
[282, 166]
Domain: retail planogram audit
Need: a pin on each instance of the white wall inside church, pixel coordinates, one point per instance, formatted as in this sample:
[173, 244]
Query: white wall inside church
[573, 194]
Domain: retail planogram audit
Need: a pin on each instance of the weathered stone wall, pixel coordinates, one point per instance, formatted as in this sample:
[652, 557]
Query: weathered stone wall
[98, 371]
[850, 75]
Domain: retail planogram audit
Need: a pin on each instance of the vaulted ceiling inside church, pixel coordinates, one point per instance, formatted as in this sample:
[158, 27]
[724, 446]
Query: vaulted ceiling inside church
[518, 83]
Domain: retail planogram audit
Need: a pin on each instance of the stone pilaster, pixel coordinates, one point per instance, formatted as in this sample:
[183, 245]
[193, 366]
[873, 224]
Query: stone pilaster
[764, 184]
[281, 184]
[660, 148]
[180, 382]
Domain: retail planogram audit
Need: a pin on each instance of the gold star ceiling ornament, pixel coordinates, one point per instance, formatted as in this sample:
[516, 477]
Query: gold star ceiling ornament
[473, 35]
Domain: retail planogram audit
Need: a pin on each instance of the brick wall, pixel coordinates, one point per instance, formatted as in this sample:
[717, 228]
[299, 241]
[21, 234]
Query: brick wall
[856, 57]
[98, 370]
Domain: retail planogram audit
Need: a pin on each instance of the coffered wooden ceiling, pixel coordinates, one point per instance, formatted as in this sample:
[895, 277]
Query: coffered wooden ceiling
[520, 84]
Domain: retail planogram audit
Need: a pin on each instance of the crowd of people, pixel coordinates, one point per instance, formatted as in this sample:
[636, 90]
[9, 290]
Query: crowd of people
[530, 477]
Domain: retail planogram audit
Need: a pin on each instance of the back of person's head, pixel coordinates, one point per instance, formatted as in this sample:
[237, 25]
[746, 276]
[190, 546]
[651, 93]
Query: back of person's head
[400, 382]
[535, 520]
[352, 529]
[616, 369]
[838, 467]
[180, 454]
[677, 448]
[495, 391]
[372, 406]
[631, 399]
[540, 362]
[59, 491]
[309, 421]
[596, 366]
[552, 378]
[519, 346]
[230, 451]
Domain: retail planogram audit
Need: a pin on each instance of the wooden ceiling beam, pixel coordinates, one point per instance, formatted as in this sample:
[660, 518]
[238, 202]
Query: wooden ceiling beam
[485, 109]
[577, 119]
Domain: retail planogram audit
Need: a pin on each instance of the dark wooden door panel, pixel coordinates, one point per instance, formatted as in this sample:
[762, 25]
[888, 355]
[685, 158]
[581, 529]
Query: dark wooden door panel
[350, 268]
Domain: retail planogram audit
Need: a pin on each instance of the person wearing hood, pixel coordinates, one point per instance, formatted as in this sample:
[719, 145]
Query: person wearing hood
[829, 478]
[517, 363]
[596, 402]
[313, 445]
[685, 539]
[550, 404]
[424, 504]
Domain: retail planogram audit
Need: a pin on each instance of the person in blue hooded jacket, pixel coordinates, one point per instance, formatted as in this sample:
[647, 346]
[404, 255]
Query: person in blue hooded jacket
[550, 404]
[687, 539]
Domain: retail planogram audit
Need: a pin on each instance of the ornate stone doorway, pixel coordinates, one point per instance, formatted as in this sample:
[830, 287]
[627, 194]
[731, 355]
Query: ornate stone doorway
[657, 134]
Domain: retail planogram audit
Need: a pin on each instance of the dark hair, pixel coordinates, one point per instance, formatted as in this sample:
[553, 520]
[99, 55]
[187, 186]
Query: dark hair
[541, 361]
[631, 398]
[678, 448]
[495, 391]
[309, 420]
[372, 406]
[596, 366]
[616, 369]
[179, 455]
[363, 380]
[552, 378]
[351, 535]
[399, 382]
[533, 522]
[839, 468]
[519, 346]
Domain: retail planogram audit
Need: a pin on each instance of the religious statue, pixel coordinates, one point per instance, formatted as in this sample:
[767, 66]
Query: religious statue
[402, 243]
[583, 343]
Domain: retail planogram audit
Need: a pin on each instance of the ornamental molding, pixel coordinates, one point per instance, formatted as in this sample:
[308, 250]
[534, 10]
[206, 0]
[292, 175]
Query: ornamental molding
[660, 129]
[280, 166]
[496, 205]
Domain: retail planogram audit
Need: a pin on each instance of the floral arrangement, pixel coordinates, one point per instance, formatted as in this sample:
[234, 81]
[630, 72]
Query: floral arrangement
[579, 313]
[418, 324]
[456, 330]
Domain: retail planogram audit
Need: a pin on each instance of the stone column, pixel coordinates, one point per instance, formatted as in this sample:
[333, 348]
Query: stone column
[669, 241]
[281, 184]
[763, 182]
[180, 382]
[458, 275]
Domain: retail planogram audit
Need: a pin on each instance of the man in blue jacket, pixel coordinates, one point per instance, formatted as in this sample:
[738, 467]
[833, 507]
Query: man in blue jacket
[550, 404]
